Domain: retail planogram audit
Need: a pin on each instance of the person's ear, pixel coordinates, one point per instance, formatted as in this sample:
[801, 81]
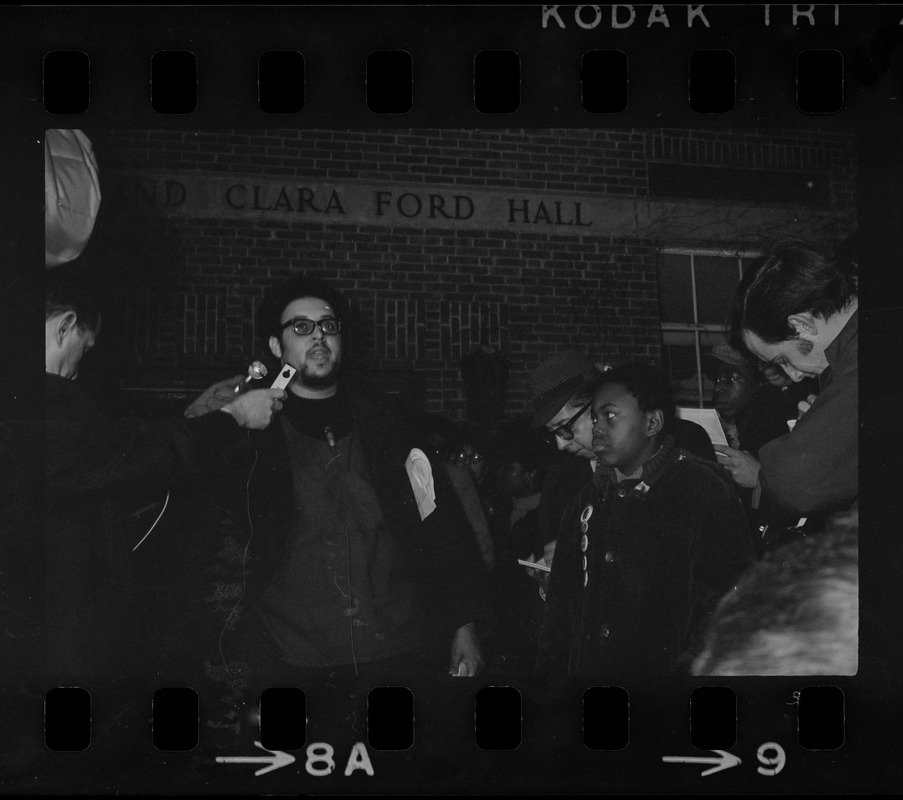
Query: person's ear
[804, 324]
[65, 325]
[655, 422]
[275, 347]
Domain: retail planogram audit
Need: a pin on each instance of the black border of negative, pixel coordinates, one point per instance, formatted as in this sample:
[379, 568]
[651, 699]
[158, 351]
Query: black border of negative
[443, 41]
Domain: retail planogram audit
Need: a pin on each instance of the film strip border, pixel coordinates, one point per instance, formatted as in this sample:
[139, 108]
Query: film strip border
[498, 719]
[455, 66]
[175, 79]
[579, 20]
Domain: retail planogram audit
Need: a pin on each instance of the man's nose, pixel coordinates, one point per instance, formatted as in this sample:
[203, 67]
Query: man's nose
[317, 333]
[793, 373]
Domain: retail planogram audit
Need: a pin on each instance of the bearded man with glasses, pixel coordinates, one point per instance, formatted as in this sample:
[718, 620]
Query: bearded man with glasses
[359, 565]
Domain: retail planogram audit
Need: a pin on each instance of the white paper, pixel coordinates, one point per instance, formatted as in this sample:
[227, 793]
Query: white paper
[420, 474]
[708, 418]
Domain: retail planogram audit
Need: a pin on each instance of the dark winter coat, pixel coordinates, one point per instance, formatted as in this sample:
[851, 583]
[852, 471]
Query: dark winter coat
[628, 597]
[67, 578]
[439, 552]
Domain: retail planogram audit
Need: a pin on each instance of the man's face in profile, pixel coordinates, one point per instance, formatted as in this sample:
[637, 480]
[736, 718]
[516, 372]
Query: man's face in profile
[582, 429]
[67, 344]
[799, 358]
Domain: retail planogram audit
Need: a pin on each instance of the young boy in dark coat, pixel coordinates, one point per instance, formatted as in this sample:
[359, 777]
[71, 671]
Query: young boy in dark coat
[646, 550]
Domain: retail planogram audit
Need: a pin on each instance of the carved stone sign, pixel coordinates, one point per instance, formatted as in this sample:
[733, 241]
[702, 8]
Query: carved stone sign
[210, 195]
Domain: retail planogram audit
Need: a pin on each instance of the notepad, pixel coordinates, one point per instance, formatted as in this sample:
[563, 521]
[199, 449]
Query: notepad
[534, 565]
[708, 418]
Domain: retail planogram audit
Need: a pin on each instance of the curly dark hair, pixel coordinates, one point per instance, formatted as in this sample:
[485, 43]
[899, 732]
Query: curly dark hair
[648, 384]
[269, 312]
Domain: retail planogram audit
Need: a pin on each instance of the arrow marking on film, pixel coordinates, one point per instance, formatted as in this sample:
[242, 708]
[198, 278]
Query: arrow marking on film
[275, 759]
[725, 760]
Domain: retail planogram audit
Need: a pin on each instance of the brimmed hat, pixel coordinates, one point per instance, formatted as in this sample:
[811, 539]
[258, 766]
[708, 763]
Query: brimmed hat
[728, 355]
[554, 381]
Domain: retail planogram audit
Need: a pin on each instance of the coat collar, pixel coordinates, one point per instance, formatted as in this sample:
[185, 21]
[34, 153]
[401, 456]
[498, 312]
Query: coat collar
[652, 469]
[834, 351]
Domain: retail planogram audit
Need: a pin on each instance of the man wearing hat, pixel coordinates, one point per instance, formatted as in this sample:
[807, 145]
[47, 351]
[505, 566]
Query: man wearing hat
[560, 386]
[751, 410]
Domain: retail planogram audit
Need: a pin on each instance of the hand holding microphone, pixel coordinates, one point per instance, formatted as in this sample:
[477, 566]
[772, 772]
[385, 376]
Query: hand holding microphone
[223, 393]
[255, 409]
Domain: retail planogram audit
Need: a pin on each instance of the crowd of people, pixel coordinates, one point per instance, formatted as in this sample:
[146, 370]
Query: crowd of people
[598, 537]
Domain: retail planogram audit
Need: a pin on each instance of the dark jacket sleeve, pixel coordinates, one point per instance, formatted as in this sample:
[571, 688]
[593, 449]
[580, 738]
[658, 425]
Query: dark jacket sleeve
[763, 421]
[441, 549]
[451, 572]
[721, 551]
[86, 451]
[815, 468]
[565, 478]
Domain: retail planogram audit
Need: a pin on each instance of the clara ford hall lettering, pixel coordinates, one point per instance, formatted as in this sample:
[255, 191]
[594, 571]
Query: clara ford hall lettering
[242, 197]
[231, 197]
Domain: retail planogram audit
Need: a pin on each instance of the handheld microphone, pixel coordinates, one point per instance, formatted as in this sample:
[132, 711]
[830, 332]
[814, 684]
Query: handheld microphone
[256, 371]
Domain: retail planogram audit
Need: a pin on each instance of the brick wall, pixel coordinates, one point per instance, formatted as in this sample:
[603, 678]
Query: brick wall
[422, 297]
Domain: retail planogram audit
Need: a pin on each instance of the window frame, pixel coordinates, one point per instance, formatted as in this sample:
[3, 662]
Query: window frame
[698, 328]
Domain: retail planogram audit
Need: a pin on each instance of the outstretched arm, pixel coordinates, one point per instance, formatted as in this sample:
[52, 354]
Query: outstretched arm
[214, 397]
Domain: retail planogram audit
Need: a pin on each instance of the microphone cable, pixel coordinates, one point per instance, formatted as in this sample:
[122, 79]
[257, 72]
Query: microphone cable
[244, 562]
[159, 517]
[330, 438]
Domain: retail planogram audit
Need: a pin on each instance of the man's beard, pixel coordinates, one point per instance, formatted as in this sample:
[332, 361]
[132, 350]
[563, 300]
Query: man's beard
[319, 381]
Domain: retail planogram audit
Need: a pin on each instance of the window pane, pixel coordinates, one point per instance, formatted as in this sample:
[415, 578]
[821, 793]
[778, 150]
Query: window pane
[675, 288]
[709, 365]
[679, 362]
[716, 282]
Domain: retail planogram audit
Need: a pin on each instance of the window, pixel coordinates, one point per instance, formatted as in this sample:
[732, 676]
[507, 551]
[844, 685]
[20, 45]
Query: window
[696, 290]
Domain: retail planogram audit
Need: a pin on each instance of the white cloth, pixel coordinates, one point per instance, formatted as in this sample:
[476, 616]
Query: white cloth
[420, 473]
[71, 195]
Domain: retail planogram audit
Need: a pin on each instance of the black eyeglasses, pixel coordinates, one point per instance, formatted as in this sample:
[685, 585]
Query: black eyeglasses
[305, 327]
[563, 431]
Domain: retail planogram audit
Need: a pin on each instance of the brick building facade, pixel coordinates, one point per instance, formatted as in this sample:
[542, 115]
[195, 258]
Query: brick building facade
[560, 247]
